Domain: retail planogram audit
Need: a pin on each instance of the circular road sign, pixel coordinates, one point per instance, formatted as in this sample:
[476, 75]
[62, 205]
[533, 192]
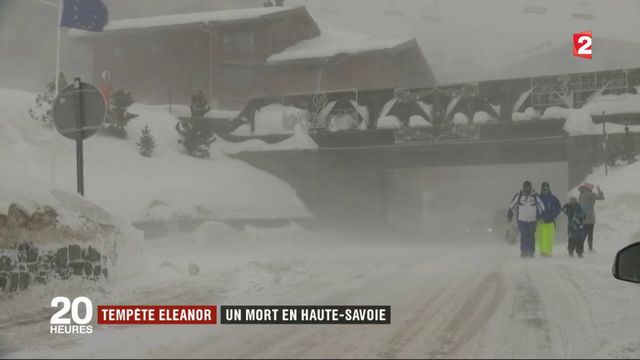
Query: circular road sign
[79, 108]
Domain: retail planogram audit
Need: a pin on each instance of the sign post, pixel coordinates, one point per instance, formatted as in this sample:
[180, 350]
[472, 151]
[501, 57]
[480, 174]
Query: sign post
[604, 145]
[79, 138]
[78, 113]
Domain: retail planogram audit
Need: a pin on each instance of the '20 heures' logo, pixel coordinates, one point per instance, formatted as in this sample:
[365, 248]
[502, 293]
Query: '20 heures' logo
[582, 43]
[78, 323]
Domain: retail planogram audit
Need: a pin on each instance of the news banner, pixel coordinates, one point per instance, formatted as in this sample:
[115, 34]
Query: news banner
[81, 315]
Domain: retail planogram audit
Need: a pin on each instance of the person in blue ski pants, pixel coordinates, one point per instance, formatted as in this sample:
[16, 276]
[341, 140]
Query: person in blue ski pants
[527, 207]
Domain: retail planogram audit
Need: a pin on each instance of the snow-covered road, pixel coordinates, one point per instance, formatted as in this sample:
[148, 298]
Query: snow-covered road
[463, 300]
[472, 302]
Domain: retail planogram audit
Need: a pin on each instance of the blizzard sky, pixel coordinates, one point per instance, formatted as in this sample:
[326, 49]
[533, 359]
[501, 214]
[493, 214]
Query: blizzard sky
[463, 40]
[473, 37]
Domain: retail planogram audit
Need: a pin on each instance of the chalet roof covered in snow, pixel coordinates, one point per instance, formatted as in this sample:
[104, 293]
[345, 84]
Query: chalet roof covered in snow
[333, 42]
[608, 54]
[181, 20]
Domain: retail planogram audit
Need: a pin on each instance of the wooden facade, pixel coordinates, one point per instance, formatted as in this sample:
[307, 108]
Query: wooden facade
[168, 64]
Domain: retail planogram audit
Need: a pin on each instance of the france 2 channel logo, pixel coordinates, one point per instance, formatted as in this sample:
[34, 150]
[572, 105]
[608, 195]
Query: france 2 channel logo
[582, 43]
[81, 316]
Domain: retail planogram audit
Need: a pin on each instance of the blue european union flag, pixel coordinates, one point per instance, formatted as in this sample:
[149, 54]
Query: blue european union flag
[89, 15]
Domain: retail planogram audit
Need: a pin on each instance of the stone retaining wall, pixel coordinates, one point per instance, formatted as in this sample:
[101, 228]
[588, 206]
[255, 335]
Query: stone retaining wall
[27, 264]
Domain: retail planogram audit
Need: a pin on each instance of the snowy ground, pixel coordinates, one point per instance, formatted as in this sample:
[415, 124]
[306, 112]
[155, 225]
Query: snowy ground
[454, 299]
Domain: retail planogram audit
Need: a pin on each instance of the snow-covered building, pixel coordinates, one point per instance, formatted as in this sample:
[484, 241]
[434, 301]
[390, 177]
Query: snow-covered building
[238, 54]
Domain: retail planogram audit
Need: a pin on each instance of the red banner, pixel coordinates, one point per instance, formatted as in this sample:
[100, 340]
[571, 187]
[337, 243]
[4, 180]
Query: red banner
[157, 314]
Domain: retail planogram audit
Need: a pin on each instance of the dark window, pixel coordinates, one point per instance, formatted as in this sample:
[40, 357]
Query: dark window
[239, 76]
[244, 41]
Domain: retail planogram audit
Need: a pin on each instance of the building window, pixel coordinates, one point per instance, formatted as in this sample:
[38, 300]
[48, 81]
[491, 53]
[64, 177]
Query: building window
[244, 41]
[239, 76]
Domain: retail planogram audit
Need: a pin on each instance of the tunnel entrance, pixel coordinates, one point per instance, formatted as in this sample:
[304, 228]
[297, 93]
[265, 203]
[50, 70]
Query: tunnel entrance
[466, 201]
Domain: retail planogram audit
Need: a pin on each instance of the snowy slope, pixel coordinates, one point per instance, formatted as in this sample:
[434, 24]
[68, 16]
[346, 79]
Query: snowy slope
[617, 216]
[34, 159]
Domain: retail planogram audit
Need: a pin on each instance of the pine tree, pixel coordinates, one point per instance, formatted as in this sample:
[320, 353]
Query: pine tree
[197, 134]
[44, 102]
[146, 143]
[118, 116]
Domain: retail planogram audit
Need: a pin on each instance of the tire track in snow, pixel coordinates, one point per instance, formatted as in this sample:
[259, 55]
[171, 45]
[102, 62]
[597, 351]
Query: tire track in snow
[547, 316]
[444, 323]
[569, 313]
[478, 308]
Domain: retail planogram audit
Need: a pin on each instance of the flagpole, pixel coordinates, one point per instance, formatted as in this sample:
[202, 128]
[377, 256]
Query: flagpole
[57, 87]
[57, 78]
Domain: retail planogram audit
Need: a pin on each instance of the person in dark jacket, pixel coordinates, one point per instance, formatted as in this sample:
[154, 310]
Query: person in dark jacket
[546, 227]
[527, 207]
[575, 227]
[587, 200]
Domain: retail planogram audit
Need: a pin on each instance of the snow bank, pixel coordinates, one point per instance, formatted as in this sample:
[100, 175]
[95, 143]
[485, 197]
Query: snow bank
[527, 115]
[26, 151]
[389, 122]
[279, 119]
[242, 130]
[419, 121]
[555, 112]
[460, 119]
[124, 248]
[333, 42]
[217, 233]
[617, 216]
[580, 122]
[613, 104]
[483, 117]
[167, 186]
[300, 140]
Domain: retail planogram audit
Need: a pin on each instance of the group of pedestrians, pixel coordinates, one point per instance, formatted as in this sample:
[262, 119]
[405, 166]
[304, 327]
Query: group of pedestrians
[536, 216]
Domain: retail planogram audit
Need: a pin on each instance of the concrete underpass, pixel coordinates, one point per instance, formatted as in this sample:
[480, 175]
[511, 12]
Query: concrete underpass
[395, 187]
